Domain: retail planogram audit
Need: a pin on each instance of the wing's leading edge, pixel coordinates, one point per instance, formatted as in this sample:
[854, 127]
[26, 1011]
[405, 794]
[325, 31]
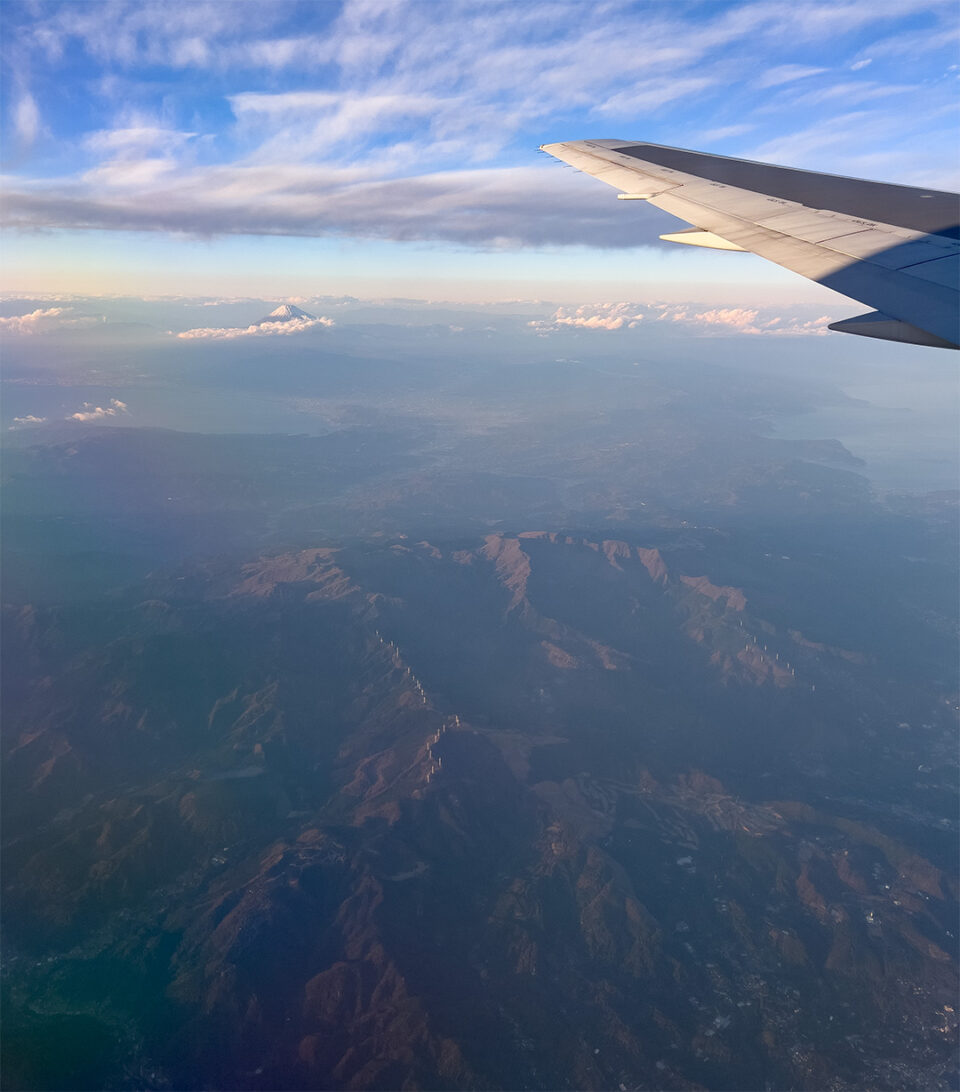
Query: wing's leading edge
[894, 248]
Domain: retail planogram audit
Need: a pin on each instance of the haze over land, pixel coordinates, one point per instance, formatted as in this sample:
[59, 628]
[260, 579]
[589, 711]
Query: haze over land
[515, 696]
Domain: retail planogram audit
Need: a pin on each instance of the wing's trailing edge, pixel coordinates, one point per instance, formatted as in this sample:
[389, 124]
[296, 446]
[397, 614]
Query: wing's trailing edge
[894, 248]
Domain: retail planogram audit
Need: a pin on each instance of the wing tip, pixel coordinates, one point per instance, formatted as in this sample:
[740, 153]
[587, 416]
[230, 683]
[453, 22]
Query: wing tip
[883, 327]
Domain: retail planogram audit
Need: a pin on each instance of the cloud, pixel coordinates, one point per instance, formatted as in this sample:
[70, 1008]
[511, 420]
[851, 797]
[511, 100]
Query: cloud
[29, 419]
[138, 139]
[499, 207]
[365, 36]
[42, 321]
[401, 119]
[90, 412]
[603, 316]
[31, 322]
[133, 34]
[666, 315]
[787, 73]
[724, 132]
[851, 93]
[742, 320]
[814, 140]
[298, 105]
[687, 316]
[294, 126]
[815, 327]
[26, 118]
[857, 65]
[262, 329]
[651, 94]
[943, 37]
[219, 302]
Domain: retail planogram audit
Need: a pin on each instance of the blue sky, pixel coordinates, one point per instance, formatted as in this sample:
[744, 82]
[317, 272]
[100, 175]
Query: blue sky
[369, 146]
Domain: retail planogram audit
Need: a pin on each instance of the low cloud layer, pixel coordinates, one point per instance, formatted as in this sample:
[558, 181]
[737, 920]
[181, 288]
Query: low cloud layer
[714, 321]
[261, 329]
[91, 412]
[46, 320]
[743, 320]
[603, 316]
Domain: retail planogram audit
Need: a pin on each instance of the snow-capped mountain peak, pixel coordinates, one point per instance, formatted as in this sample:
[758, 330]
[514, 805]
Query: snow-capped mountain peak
[287, 312]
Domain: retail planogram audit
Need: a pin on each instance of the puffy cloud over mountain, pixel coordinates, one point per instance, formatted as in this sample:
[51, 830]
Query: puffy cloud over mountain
[284, 320]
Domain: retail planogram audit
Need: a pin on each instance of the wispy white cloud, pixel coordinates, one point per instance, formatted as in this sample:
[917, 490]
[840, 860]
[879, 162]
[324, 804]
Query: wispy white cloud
[852, 93]
[29, 419]
[652, 94]
[26, 118]
[725, 132]
[263, 329]
[367, 36]
[130, 34]
[131, 174]
[138, 139]
[825, 21]
[786, 73]
[400, 119]
[92, 412]
[300, 125]
[940, 37]
[813, 140]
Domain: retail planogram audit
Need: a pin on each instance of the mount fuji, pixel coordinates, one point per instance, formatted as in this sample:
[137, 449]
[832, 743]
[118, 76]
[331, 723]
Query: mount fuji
[287, 312]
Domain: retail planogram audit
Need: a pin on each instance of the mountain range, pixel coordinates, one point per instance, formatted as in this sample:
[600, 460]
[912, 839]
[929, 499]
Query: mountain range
[419, 814]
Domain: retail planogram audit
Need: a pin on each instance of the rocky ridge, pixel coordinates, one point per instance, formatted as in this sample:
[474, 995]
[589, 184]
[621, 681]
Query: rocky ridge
[343, 869]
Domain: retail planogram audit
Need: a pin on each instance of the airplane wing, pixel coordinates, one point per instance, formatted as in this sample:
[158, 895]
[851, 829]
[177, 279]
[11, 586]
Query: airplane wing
[893, 248]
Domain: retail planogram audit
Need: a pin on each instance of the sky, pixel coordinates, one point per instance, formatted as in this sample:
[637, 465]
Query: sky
[390, 147]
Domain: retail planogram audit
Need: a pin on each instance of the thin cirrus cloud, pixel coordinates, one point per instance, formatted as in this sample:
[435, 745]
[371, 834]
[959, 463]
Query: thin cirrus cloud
[26, 118]
[851, 94]
[414, 120]
[137, 138]
[787, 73]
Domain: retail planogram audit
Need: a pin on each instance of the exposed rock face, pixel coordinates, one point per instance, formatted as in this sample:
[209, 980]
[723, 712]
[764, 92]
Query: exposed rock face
[653, 563]
[734, 597]
[513, 566]
[283, 817]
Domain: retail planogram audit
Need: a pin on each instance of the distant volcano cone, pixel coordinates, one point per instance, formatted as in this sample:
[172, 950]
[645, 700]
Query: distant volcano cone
[286, 312]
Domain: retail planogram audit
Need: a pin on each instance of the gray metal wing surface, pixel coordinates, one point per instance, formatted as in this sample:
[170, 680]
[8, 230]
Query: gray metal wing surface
[893, 248]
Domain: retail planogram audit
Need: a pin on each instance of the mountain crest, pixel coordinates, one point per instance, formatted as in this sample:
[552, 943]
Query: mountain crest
[286, 312]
